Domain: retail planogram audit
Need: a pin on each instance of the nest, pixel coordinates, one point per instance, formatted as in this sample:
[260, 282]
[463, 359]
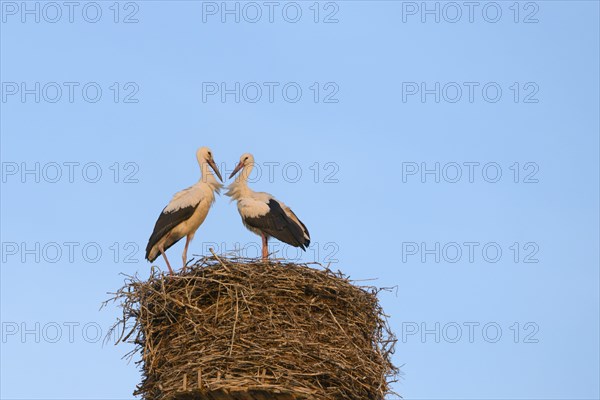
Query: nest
[231, 328]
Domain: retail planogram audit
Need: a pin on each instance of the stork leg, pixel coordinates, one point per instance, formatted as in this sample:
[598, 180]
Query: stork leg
[188, 239]
[166, 260]
[265, 247]
[161, 248]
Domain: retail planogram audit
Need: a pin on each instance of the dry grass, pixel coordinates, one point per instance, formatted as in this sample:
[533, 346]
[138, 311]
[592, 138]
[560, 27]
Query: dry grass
[226, 328]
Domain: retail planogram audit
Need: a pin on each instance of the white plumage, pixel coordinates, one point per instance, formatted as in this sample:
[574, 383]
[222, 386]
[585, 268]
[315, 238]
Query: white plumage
[186, 211]
[263, 214]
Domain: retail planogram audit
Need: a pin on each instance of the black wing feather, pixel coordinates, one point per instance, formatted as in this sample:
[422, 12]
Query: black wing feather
[276, 223]
[306, 241]
[165, 222]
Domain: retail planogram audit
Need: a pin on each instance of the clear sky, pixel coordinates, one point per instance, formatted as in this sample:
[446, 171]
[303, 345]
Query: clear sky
[455, 160]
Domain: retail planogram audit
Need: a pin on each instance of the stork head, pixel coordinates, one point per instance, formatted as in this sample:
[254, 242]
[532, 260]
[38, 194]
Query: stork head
[204, 155]
[245, 160]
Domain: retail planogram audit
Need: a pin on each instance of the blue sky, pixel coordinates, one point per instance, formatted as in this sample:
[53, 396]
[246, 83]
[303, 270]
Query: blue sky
[455, 160]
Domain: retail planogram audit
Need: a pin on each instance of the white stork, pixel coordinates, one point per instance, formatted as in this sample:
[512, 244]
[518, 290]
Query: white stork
[263, 214]
[186, 211]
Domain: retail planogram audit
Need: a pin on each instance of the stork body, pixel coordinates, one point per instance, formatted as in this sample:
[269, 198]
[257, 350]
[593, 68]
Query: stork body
[263, 214]
[186, 211]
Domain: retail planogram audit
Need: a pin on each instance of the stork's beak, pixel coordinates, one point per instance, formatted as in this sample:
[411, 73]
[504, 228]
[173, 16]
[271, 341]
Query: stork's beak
[212, 164]
[237, 168]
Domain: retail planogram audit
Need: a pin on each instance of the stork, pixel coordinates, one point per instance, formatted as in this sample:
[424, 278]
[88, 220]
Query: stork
[264, 215]
[186, 211]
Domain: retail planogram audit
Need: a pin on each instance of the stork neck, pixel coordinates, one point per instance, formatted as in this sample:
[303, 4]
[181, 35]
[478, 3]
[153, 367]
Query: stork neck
[245, 174]
[208, 177]
[239, 188]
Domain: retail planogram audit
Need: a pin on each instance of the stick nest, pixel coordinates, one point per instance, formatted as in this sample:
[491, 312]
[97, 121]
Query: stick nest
[232, 328]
